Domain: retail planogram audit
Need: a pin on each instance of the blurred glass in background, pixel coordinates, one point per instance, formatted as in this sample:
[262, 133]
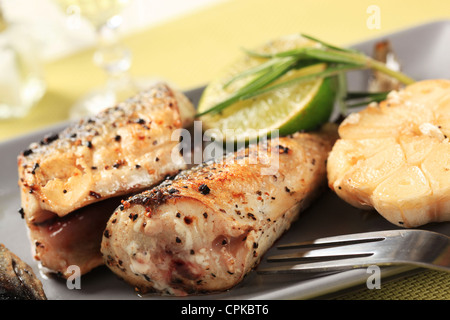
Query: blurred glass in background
[110, 55]
[22, 83]
[40, 32]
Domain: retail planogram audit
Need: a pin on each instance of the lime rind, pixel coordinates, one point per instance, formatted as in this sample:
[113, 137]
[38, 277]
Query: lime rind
[316, 113]
[303, 106]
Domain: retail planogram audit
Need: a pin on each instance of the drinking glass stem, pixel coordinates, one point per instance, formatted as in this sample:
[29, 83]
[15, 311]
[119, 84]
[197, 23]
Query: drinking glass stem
[115, 60]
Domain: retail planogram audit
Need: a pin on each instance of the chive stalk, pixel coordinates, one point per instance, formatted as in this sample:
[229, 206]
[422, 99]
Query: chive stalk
[338, 61]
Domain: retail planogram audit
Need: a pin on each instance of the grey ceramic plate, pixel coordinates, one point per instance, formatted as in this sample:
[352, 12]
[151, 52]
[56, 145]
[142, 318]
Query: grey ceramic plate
[424, 53]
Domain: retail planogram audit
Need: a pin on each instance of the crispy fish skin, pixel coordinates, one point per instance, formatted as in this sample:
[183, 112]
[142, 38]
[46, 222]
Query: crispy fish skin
[118, 151]
[207, 228]
[17, 279]
[121, 150]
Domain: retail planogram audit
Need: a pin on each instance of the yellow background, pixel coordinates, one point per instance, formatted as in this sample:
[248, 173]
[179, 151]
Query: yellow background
[188, 51]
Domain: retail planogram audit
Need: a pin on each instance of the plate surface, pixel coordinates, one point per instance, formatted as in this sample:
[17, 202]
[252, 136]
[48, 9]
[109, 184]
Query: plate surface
[424, 54]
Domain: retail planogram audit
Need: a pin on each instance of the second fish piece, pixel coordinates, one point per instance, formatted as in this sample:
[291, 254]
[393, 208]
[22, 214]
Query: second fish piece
[206, 229]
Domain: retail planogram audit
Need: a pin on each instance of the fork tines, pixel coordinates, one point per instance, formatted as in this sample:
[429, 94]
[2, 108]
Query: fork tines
[350, 251]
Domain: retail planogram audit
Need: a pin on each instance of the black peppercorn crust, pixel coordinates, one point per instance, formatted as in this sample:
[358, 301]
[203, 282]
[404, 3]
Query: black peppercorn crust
[206, 228]
[121, 150]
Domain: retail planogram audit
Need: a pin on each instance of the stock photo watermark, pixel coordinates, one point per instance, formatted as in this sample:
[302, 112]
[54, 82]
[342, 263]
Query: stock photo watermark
[198, 146]
[74, 280]
[374, 280]
[373, 21]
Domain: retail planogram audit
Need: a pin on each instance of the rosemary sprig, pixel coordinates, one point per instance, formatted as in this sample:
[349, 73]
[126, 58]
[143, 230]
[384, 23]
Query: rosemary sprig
[325, 44]
[328, 72]
[338, 61]
[341, 92]
[364, 98]
[273, 73]
[264, 67]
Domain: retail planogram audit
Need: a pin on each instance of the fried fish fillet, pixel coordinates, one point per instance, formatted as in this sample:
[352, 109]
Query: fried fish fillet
[394, 157]
[121, 150]
[207, 228]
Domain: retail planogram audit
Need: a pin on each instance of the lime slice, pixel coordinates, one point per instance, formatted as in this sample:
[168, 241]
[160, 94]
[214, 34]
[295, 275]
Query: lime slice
[302, 106]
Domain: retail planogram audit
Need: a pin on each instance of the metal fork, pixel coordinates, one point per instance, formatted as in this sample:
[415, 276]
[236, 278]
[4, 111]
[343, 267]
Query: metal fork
[417, 248]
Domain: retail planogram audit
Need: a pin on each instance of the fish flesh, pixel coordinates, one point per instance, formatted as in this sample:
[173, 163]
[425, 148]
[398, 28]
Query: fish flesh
[204, 230]
[207, 228]
[17, 279]
[394, 156]
[121, 150]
